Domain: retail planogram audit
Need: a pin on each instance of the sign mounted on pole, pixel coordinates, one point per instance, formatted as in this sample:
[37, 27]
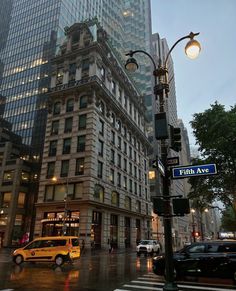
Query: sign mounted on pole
[173, 161]
[190, 171]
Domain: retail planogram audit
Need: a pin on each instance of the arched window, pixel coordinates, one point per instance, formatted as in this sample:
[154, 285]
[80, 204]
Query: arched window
[127, 203]
[115, 198]
[83, 102]
[102, 107]
[113, 119]
[57, 108]
[70, 105]
[99, 192]
[118, 125]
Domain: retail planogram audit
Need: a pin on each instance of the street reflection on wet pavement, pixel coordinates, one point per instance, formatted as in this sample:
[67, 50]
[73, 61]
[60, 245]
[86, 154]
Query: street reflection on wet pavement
[99, 271]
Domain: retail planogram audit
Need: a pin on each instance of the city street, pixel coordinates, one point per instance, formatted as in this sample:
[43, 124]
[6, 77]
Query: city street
[94, 272]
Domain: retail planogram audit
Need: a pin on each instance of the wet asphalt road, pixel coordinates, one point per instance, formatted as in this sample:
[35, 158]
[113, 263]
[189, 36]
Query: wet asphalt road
[100, 271]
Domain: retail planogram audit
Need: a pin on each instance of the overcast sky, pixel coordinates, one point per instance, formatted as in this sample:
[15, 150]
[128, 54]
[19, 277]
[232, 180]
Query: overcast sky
[211, 77]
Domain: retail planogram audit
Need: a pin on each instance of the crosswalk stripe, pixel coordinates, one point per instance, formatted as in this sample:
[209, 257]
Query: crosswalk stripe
[143, 287]
[146, 280]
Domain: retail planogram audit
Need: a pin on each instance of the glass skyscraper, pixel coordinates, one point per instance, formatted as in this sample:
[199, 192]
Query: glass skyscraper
[30, 33]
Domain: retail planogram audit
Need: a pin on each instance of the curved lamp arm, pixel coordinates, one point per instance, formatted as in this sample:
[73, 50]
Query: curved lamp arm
[190, 35]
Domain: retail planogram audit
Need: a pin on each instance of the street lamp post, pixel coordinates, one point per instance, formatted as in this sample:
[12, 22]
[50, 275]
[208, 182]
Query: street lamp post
[161, 88]
[193, 225]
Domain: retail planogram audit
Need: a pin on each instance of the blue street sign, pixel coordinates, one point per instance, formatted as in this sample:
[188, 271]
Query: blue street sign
[198, 170]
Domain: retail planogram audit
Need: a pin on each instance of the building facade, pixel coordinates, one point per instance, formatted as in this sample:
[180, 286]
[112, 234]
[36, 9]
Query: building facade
[32, 33]
[95, 145]
[18, 187]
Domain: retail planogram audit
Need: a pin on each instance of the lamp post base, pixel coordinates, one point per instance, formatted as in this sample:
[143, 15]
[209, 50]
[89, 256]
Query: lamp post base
[170, 286]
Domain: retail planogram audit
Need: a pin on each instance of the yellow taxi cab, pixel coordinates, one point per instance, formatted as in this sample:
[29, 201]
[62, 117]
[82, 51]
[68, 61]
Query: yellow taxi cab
[57, 249]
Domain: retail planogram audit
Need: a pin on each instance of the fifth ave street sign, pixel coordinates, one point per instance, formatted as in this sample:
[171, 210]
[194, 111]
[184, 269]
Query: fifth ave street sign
[198, 170]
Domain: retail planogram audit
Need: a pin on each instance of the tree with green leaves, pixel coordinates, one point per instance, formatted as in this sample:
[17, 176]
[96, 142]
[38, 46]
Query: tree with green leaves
[215, 133]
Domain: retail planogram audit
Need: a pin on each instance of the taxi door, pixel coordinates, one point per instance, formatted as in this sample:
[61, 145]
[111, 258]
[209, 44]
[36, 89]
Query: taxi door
[32, 251]
[75, 248]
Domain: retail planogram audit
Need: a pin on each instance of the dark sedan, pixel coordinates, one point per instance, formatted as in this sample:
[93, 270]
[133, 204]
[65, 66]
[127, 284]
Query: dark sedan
[205, 259]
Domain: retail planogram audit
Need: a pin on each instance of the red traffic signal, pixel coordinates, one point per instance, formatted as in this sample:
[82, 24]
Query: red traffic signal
[195, 233]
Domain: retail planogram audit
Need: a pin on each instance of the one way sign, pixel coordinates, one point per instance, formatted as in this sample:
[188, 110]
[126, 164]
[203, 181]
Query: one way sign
[158, 165]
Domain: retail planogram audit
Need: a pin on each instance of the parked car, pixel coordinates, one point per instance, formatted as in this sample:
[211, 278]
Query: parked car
[148, 247]
[205, 259]
[57, 249]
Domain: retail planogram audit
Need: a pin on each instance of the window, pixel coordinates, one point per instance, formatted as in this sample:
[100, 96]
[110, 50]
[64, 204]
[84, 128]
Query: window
[79, 166]
[119, 179]
[99, 192]
[102, 73]
[115, 198]
[125, 131]
[59, 80]
[135, 188]
[125, 165]
[49, 193]
[70, 105]
[113, 87]
[50, 169]
[82, 121]
[113, 137]
[130, 185]
[52, 148]
[125, 182]
[83, 102]
[57, 108]
[127, 203]
[197, 249]
[100, 169]
[119, 160]
[130, 152]
[112, 156]
[8, 176]
[113, 119]
[112, 176]
[130, 168]
[120, 95]
[81, 143]
[55, 127]
[66, 146]
[118, 124]
[100, 148]
[64, 168]
[119, 142]
[25, 176]
[68, 124]
[125, 147]
[21, 200]
[72, 72]
[138, 206]
[79, 190]
[101, 127]
[102, 107]
[6, 200]
[85, 68]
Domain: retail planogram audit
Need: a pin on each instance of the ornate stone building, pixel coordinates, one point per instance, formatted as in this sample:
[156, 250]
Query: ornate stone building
[94, 176]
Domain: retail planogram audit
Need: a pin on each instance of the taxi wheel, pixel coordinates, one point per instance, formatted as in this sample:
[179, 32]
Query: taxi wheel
[18, 259]
[59, 260]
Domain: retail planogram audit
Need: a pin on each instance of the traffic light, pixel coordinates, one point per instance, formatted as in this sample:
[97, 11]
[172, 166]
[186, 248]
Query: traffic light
[161, 127]
[175, 138]
[195, 233]
[158, 206]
